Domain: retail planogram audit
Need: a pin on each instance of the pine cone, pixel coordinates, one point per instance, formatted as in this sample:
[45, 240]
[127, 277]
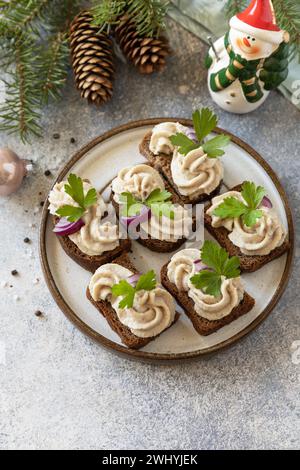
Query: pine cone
[92, 59]
[147, 54]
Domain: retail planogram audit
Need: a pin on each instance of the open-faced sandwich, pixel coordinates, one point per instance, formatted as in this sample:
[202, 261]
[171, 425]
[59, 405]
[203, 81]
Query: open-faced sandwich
[150, 208]
[207, 284]
[79, 214]
[187, 157]
[136, 308]
[245, 223]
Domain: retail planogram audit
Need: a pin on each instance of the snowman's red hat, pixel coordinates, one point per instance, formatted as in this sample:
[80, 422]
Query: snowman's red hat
[259, 20]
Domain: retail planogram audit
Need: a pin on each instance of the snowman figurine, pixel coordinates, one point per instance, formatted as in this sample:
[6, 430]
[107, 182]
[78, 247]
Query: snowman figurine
[249, 61]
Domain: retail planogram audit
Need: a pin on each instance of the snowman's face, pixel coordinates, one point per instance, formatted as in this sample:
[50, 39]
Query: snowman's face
[250, 47]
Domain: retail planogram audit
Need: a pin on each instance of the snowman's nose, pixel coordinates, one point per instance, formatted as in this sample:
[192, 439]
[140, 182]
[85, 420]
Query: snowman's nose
[246, 42]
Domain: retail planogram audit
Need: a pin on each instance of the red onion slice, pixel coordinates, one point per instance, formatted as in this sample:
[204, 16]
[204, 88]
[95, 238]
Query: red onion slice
[199, 266]
[64, 227]
[143, 216]
[133, 279]
[266, 202]
[191, 134]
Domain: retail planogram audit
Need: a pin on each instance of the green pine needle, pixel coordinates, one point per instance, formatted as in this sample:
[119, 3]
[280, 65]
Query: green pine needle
[148, 15]
[34, 59]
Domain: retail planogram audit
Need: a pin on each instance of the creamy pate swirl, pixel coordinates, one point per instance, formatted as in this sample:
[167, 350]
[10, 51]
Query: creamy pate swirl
[96, 236]
[160, 137]
[152, 311]
[196, 173]
[140, 181]
[181, 268]
[260, 239]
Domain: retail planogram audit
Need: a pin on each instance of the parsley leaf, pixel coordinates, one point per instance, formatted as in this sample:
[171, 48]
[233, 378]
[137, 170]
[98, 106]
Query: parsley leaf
[157, 201]
[127, 291]
[232, 207]
[71, 212]
[208, 281]
[163, 209]
[252, 194]
[146, 281]
[131, 206]
[250, 217]
[213, 147]
[184, 143]
[220, 264]
[204, 121]
[74, 188]
[158, 196]
[90, 198]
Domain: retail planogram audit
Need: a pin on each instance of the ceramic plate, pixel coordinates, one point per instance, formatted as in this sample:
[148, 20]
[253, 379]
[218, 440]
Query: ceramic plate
[100, 162]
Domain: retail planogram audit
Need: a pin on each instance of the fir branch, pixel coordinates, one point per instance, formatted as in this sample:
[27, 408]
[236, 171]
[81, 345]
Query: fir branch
[25, 14]
[149, 15]
[288, 18]
[20, 112]
[34, 35]
[53, 61]
[107, 12]
[53, 66]
[235, 6]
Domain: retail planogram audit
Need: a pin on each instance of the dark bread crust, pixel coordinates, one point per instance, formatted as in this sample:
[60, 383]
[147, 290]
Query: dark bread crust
[160, 246]
[105, 308]
[248, 263]
[202, 325]
[91, 263]
[162, 163]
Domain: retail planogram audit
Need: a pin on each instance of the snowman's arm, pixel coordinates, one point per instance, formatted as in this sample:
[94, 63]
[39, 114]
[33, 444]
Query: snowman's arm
[211, 56]
[219, 46]
[275, 68]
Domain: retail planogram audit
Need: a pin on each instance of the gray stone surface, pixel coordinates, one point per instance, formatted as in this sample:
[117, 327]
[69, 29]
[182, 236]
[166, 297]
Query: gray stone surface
[60, 390]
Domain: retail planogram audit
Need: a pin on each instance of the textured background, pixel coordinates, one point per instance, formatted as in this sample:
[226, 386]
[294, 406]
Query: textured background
[60, 390]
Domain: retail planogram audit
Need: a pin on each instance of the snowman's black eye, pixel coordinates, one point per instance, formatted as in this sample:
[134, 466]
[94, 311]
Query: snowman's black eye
[248, 37]
[253, 39]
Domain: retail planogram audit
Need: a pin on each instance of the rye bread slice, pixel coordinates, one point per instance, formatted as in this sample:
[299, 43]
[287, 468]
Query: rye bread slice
[248, 263]
[127, 337]
[91, 263]
[160, 246]
[202, 325]
[162, 163]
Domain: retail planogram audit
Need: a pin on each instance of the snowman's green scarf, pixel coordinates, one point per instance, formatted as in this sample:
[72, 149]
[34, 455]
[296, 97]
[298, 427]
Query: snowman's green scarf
[238, 69]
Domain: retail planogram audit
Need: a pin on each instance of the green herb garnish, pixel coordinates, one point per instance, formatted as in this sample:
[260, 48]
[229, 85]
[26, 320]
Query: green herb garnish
[220, 264]
[75, 190]
[232, 207]
[204, 121]
[127, 291]
[157, 201]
